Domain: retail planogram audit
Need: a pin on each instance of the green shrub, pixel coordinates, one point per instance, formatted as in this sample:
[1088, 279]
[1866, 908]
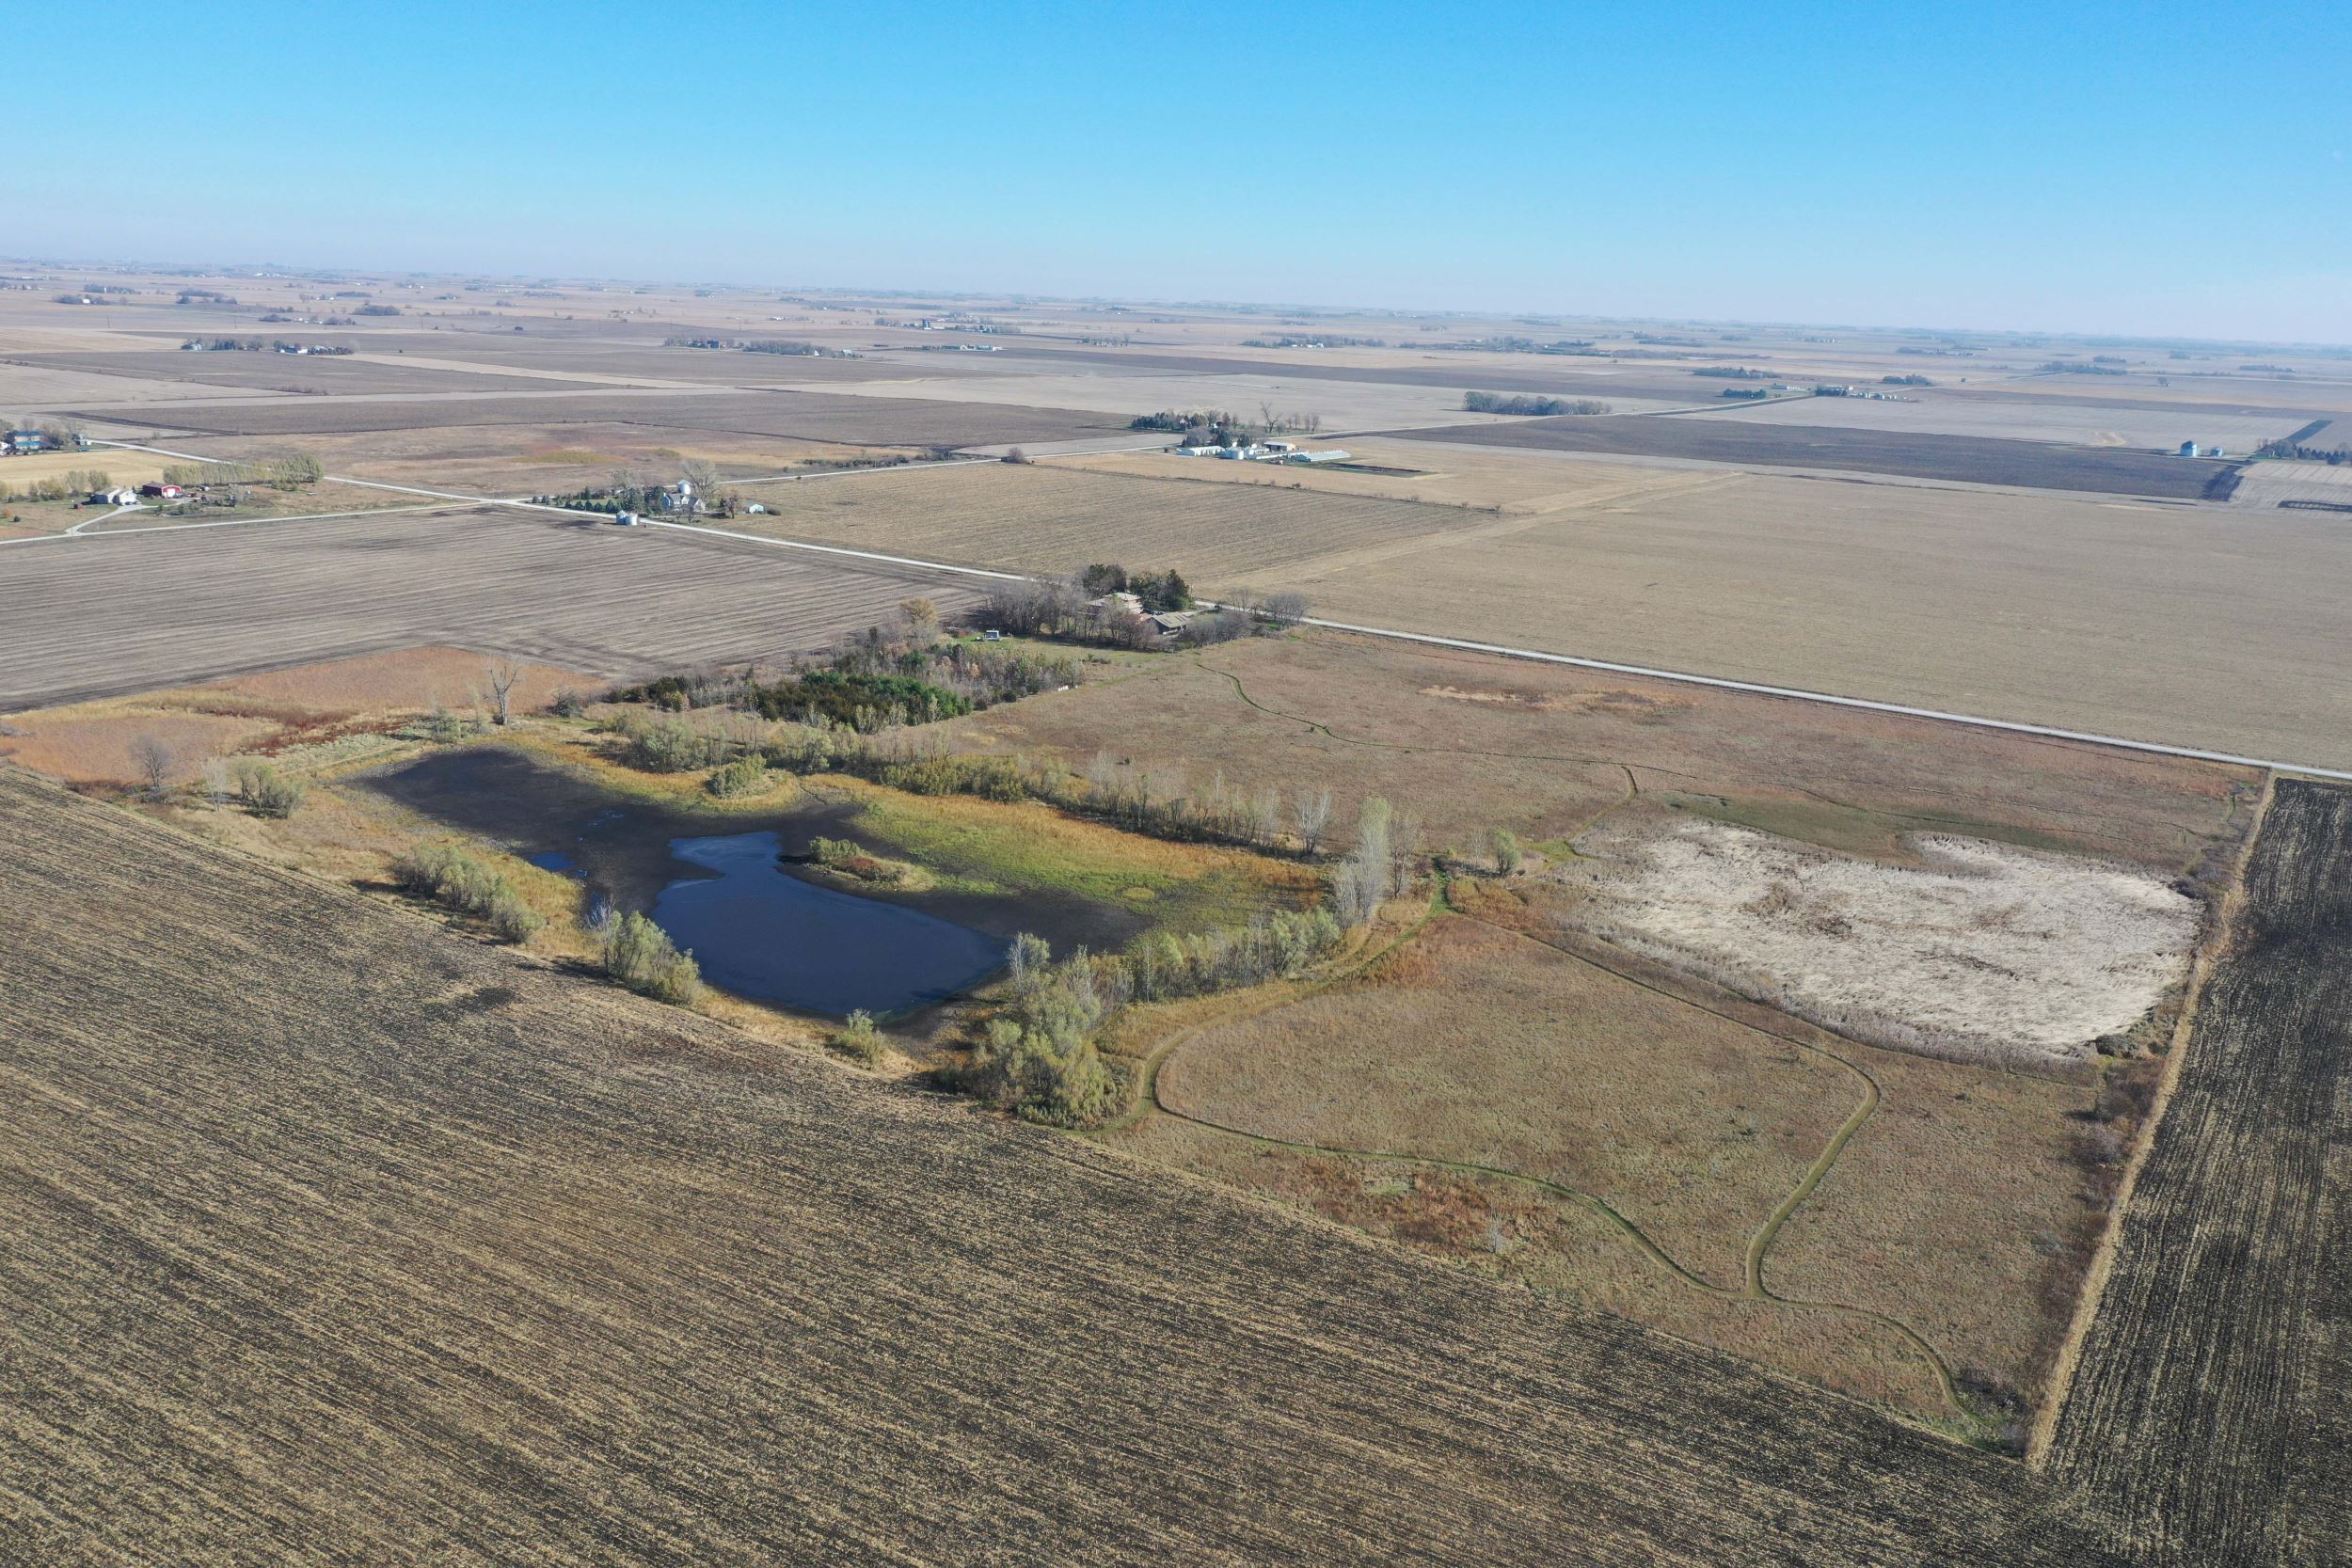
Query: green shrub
[1508, 857]
[742, 777]
[266, 792]
[510, 917]
[1038, 1057]
[859, 1039]
[670, 745]
[640, 955]
[466, 882]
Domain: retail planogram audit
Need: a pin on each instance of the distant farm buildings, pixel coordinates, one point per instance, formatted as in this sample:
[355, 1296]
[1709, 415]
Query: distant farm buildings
[2190, 448]
[1260, 451]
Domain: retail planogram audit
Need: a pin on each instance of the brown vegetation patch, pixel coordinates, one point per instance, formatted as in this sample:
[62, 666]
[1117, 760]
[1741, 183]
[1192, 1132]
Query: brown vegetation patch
[1361, 717]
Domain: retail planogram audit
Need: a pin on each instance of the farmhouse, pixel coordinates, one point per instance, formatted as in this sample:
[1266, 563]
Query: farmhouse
[28, 440]
[120, 496]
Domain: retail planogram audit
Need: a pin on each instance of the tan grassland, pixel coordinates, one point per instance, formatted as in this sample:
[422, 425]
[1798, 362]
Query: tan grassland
[1499, 1091]
[1468, 742]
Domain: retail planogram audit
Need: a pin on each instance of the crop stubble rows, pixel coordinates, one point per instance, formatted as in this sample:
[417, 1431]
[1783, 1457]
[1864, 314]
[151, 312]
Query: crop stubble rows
[108, 616]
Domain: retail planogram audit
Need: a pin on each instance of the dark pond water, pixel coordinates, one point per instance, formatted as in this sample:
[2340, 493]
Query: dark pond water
[758, 931]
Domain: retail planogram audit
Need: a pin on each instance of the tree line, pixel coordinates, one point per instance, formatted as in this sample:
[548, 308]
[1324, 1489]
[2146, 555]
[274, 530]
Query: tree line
[1501, 402]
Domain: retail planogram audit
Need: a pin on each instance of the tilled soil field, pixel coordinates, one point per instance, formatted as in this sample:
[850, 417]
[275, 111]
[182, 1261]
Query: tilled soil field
[104, 614]
[814, 416]
[333, 1238]
[267, 371]
[1970, 459]
[1566, 376]
[2213, 1406]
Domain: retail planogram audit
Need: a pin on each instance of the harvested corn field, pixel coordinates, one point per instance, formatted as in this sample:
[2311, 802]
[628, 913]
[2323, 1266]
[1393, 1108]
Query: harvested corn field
[2210, 1409]
[102, 616]
[1965, 459]
[633, 1288]
[1035, 518]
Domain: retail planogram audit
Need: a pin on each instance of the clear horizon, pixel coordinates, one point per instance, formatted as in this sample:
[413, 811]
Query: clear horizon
[2084, 170]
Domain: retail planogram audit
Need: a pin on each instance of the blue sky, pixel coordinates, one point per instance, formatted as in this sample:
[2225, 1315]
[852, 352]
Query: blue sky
[2123, 168]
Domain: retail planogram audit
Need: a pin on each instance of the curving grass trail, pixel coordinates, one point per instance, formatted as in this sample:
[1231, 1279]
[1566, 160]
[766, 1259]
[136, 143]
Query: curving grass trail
[1754, 1285]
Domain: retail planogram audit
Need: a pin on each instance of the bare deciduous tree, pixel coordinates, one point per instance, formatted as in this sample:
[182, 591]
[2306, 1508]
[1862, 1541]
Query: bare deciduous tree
[704, 476]
[1311, 815]
[501, 674]
[921, 618]
[154, 760]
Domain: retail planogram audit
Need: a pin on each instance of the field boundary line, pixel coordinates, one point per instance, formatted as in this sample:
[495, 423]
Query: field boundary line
[233, 522]
[1867, 705]
[839, 550]
[2095, 1279]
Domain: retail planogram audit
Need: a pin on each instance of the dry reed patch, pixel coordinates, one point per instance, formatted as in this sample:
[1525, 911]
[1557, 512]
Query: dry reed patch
[403, 681]
[100, 744]
[1982, 952]
[1479, 1046]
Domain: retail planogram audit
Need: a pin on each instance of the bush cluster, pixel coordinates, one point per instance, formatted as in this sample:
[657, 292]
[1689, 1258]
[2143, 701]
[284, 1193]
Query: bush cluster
[859, 1039]
[640, 955]
[743, 777]
[267, 792]
[1037, 1057]
[450, 876]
